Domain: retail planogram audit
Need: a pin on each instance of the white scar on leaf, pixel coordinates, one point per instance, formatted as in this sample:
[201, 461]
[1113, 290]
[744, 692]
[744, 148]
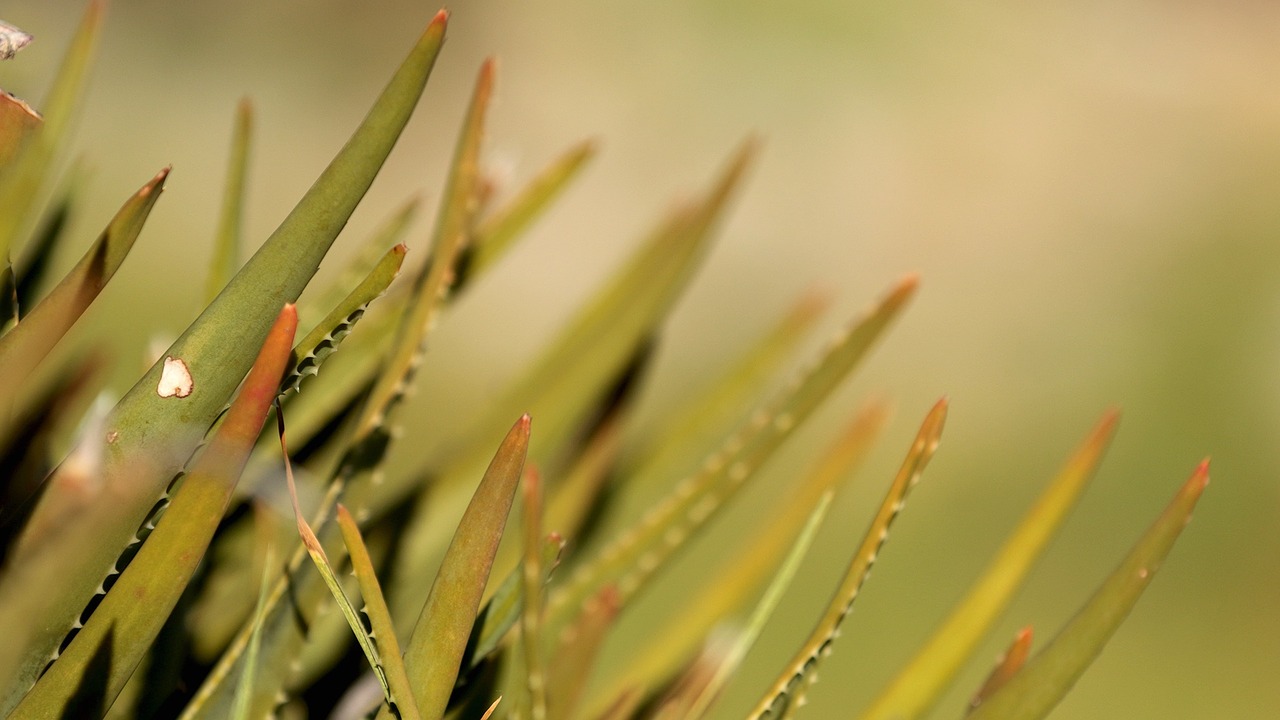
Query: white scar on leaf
[175, 379]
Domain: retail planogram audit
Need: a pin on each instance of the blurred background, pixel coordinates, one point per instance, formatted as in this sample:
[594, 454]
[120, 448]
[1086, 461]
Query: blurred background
[1089, 190]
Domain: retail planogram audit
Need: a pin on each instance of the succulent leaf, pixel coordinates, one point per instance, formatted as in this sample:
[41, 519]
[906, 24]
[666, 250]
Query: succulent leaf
[226, 243]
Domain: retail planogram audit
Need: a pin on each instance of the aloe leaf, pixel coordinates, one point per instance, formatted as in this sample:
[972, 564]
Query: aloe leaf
[505, 608]
[787, 692]
[27, 344]
[244, 691]
[21, 180]
[711, 414]
[1048, 676]
[24, 451]
[325, 337]
[140, 601]
[372, 250]
[153, 431]
[632, 559]
[379, 617]
[18, 123]
[577, 648]
[922, 681]
[728, 590]
[489, 713]
[439, 638]
[226, 244]
[330, 576]
[36, 257]
[763, 611]
[534, 705]
[1009, 664]
[494, 235]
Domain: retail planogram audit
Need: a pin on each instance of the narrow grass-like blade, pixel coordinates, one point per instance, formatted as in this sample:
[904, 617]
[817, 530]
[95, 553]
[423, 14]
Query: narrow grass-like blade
[729, 589]
[244, 691]
[226, 242]
[502, 611]
[494, 235]
[325, 337]
[330, 576]
[384, 633]
[577, 648]
[151, 433]
[918, 686]
[36, 258]
[372, 249]
[787, 692]
[763, 611]
[140, 601]
[1009, 664]
[440, 636]
[638, 552]
[21, 180]
[532, 702]
[1047, 677]
[27, 344]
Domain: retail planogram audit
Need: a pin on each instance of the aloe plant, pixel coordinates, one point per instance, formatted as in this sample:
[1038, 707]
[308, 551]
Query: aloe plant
[145, 529]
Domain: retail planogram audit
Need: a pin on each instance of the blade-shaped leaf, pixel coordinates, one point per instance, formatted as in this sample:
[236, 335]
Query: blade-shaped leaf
[1009, 664]
[918, 686]
[641, 550]
[384, 632]
[787, 693]
[730, 588]
[245, 689]
[51, 235]
[141, 600]
[440, 636]
[578, 645]
[21, 180]
[226, 244]
[1048, 676]
[18, 123]
[27, 344]
[502, 611]
[152, 431]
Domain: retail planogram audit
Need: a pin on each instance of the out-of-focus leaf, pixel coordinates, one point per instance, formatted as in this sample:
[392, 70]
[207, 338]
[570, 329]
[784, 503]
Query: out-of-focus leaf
[140, 601]
[710, 415]
[577, 648]
[917, 687]
[641, 550]
[1047, 677]
[494, 235]
[763, 611]
[21, 179]
[726, 591]
[1006, 667]
[27, 344]
[18, 122]
[226, 244]
[505, 608]
[787, 693]
[244, 691]
[531, 700]
[36, 257]
[384, 633]
[439, 638]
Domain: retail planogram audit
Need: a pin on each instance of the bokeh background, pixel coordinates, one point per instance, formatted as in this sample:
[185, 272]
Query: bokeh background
[1090, 191]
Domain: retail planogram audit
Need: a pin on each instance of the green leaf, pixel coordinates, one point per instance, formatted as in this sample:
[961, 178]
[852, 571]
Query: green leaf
[495, 234]
[578, 646]
[1009, 665]
[1048, 676]
[632, 559]
[30, 341]
[244, 691]
[763, 611]
[727, 590]
[384, 632]
[21, 180]
[330, 576]
[140, 601]
[37, 256]
[532, 702]
[505, 608]
[226, 244]
[325, 337]
[440, 636]
[918, 686]
[787, 692]
[18, 124]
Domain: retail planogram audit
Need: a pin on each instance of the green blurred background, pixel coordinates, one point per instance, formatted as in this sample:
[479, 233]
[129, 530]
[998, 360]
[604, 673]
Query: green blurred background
[1090, 191]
